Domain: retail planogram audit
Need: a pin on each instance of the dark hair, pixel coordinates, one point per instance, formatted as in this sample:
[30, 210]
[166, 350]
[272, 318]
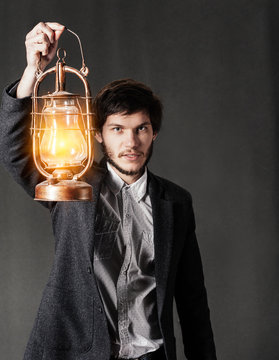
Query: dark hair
[126, 96]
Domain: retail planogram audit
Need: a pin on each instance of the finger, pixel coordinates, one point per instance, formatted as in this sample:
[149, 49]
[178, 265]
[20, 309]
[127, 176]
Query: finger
[51, 51]
[39, 43]
[58, 29]
[43, 28]
[58, 33]
[53, 30]
[55, 26]
[41, 38]
[41, 48]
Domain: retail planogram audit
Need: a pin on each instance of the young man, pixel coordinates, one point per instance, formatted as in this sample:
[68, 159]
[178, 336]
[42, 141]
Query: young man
[122, 259]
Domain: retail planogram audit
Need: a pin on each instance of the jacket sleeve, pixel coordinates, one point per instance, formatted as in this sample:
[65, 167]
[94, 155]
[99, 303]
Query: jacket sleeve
[191, 300]
[16, 142]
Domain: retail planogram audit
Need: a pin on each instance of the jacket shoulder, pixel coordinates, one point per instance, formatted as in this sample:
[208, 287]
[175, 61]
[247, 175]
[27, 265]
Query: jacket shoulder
[171, 190]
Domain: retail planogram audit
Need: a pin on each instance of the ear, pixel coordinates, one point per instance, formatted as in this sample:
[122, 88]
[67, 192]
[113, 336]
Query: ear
[154, 136]
[98, 137]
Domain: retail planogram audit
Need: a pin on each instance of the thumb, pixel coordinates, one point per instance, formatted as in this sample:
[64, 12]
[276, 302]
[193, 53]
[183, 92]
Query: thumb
[57, 28]
[58, 33]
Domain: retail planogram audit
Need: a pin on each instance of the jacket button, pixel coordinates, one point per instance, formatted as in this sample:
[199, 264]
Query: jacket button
[89, 270]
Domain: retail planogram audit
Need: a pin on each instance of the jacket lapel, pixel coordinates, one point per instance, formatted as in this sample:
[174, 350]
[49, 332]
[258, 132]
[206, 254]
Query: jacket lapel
[162, 210]
[94, 177]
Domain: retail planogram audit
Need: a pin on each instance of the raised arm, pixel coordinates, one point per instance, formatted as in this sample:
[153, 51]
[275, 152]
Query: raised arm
[15, 118]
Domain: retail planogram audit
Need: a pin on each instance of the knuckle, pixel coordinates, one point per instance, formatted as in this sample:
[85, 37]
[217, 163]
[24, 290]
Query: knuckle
[44, 49]
[28, 42]
[46, 39]
[41, 37]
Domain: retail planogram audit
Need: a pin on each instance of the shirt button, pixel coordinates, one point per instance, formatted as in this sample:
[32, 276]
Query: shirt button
[89, 270]
[100, 309]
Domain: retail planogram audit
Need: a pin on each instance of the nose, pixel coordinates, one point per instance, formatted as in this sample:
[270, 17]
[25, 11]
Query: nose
[131, 140]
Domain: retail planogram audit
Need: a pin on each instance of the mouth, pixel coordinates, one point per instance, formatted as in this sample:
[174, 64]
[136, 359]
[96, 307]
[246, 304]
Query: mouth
[131, 156]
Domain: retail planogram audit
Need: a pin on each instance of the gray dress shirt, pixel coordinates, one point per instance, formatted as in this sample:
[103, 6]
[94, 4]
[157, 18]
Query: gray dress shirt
[124, 265]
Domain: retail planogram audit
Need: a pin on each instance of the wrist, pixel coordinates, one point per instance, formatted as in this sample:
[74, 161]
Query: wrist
[26, 84]
[30, 71]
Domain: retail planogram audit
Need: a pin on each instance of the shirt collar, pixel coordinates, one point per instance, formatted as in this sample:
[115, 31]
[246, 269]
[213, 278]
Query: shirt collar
[115, 183]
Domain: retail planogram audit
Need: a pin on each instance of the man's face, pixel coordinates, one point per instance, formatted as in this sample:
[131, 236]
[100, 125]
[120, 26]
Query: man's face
[127, 142]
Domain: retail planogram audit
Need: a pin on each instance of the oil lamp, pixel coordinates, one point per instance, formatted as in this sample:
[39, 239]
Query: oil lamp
[62, 135]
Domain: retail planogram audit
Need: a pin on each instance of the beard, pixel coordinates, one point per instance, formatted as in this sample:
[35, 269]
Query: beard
[109, 159]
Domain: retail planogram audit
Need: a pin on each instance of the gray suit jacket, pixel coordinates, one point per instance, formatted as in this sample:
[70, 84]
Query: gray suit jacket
[71, 323]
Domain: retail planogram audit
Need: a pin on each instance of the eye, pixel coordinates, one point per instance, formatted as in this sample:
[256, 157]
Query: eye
[142, 128]
[116, 129]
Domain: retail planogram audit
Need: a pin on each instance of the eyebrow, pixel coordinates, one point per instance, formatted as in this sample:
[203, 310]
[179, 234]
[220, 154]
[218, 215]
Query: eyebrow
[123, 126]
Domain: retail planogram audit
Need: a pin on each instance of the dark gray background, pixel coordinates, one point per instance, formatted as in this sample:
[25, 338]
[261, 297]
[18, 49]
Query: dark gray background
[214, 63]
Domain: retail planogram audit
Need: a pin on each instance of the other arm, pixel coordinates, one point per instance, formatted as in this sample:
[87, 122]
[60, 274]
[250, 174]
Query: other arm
[191, 300]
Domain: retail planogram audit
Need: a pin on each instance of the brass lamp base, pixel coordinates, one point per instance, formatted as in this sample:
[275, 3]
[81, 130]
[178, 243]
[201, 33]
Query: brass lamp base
[64, 190]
